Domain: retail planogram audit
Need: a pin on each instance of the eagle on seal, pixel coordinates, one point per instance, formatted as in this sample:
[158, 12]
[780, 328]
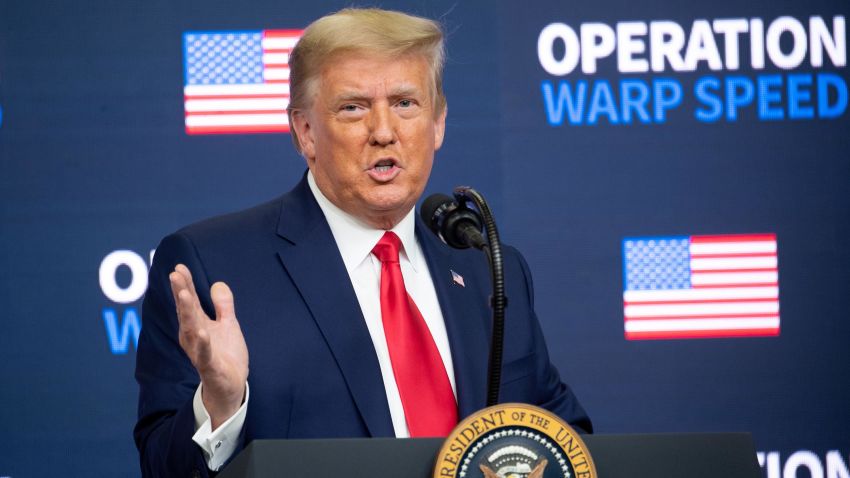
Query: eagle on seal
[536, 472]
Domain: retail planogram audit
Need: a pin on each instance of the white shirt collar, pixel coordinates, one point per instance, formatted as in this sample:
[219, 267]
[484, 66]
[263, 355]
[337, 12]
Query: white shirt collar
[355, 239]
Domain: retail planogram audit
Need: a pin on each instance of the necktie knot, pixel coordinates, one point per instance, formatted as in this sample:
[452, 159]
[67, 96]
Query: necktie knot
[386, 250]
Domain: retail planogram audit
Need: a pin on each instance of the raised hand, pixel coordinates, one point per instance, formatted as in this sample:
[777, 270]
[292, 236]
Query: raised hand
[216, 347]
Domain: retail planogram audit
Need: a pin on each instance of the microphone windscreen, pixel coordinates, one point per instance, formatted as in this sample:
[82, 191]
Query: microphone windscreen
[431, 206]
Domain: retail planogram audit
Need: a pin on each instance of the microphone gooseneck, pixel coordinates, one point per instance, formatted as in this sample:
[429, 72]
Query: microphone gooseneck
[459, 226]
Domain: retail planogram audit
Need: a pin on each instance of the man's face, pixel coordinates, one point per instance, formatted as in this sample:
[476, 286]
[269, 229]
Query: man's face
[370, 135]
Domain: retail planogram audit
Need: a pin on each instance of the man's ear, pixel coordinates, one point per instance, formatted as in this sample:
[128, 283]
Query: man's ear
[300, 124]
[440, 128]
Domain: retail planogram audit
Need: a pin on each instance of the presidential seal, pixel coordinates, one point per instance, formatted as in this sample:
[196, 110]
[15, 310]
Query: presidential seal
[514, 440]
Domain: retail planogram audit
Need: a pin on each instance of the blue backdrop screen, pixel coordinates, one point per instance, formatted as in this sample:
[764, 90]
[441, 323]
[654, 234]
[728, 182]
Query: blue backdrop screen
[677, 175]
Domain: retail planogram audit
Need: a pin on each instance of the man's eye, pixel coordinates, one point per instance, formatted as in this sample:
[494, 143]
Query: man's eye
[405, 103]
[349, 108]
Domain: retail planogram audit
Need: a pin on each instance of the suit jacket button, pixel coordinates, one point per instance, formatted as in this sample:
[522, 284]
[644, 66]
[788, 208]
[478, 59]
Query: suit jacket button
[196, 474]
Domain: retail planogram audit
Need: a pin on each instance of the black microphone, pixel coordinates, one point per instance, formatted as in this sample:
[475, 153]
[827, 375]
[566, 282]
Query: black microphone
[459, 226]
[452, 221]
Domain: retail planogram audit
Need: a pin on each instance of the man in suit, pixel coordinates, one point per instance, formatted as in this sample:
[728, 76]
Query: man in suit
[359, 322]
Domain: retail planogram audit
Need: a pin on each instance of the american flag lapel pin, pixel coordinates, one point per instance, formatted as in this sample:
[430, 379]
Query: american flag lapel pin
[457, 279]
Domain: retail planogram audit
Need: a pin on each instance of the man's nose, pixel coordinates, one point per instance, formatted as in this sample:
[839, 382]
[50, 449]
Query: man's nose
[382, 127]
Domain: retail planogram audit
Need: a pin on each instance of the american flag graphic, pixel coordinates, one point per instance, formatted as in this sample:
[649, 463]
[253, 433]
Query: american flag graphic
[458, 279]
[700, 286]
[237, 81]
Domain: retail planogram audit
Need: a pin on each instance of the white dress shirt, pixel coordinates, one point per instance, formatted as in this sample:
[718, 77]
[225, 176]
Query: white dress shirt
[355, 241]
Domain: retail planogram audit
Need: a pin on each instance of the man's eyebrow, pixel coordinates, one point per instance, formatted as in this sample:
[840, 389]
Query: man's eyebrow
[404, 90]
[352, 96]
[397, 92]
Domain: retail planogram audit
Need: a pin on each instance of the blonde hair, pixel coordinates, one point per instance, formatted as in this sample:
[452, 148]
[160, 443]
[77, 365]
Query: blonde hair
[385, 33]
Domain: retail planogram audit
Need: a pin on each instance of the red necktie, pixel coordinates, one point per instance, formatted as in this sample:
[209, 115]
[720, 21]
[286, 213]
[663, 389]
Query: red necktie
[426, 394]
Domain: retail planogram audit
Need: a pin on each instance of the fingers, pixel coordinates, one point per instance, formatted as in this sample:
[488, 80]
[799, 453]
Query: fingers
[187, 274]
[222, 299]
[182, 279]
[198, 335]
[189, 311]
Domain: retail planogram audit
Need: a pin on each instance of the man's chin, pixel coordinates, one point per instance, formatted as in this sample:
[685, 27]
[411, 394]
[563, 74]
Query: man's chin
[389, 211]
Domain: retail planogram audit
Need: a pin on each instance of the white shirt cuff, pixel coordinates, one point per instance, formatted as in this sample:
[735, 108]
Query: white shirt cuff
[217, 445]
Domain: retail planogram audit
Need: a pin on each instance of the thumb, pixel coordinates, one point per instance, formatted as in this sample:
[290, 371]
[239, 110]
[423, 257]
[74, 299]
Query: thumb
[222, 299]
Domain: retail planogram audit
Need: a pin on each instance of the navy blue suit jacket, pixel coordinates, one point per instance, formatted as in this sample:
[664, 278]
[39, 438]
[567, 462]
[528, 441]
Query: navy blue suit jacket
[313, 369]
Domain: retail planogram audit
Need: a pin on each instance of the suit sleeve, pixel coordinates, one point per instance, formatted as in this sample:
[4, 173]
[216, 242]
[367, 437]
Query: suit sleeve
[167, 380]
[552, 394]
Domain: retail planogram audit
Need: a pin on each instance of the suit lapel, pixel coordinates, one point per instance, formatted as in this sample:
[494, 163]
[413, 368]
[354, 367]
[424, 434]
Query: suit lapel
[311, 258]
[467, 316]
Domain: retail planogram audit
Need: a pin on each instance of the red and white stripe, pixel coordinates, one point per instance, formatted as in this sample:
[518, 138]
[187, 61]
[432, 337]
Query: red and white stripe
[260, 108]
[734, 292]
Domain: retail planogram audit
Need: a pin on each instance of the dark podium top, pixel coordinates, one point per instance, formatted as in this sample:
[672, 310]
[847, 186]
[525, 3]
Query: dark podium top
[689, 455]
